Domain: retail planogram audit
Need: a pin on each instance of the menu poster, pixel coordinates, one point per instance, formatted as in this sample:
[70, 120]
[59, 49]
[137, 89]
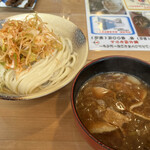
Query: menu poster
[118, 24]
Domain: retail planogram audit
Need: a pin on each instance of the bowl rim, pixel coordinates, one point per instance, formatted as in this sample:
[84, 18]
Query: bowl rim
[72, 91]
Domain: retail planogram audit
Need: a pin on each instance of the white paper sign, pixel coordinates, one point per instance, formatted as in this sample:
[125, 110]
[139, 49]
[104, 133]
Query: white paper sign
[118, 24]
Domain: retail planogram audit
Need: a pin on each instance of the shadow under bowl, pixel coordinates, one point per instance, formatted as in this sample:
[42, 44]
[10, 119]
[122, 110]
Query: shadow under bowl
[124, 64]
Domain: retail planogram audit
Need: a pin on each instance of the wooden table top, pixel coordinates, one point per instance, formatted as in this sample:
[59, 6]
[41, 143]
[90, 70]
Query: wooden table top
[47, 123]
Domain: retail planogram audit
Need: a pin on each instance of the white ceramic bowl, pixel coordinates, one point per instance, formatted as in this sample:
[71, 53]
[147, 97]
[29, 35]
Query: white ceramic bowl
[63, 28]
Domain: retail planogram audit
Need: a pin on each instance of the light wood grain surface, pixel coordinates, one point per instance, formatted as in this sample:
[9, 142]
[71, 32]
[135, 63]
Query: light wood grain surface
[47, 123]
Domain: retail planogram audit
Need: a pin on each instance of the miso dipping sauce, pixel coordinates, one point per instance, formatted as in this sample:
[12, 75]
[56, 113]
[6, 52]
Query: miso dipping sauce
[115, 109]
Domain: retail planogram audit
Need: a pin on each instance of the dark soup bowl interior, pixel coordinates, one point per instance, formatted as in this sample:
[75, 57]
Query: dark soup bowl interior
[123, 64]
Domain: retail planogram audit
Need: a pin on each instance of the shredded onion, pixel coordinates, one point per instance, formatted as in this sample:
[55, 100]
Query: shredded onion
[25, 42]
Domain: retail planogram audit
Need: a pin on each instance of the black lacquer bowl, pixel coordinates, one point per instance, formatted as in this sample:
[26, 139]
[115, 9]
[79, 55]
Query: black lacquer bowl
[125, 64]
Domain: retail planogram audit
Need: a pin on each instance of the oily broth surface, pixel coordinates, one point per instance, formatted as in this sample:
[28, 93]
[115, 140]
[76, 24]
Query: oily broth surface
[124, 96]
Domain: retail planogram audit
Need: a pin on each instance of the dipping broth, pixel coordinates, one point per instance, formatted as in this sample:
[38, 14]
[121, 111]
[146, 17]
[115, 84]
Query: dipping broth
[115, 109]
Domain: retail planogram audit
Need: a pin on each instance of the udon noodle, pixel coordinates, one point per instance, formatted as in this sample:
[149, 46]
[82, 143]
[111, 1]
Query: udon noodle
[33, 57]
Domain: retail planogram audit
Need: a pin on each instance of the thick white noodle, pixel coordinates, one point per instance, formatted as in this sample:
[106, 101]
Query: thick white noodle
[52, 70]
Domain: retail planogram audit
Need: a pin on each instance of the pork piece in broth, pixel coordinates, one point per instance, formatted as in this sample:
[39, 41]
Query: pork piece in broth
[115, 118]
[100, 127]
[116, 105]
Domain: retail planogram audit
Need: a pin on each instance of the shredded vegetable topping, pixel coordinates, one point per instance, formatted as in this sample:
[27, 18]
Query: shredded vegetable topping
[23, 43]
